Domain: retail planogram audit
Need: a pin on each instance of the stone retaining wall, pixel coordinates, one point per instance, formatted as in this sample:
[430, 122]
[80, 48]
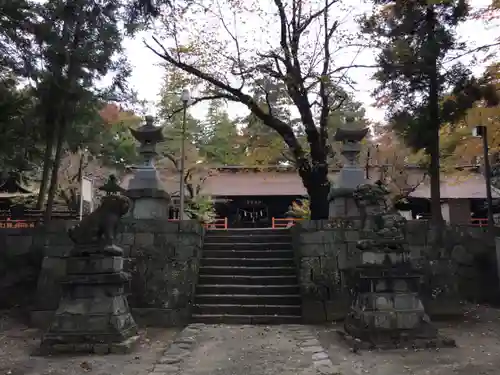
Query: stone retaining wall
[464, 270]
[22, 258]
[162, 257]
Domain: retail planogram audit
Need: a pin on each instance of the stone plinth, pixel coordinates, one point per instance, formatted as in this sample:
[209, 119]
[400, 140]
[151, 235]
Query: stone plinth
[342, 203]
[149, 203]
[93, 315]
[386, 309]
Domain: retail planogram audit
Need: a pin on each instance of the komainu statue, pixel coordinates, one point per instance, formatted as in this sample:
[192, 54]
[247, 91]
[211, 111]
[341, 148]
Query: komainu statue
[99, 229]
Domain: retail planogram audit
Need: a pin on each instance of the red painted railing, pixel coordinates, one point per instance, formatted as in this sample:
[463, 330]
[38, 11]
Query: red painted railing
[284, 222]
[478, 222]
[14, 224]
[220, 223]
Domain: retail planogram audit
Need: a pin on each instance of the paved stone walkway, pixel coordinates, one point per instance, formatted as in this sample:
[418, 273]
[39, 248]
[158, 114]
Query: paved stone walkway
[245, 350]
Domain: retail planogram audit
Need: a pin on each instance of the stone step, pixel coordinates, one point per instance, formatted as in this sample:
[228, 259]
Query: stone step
[248, 299]
[250, 262]
[246, 319]
[248, 271]
[248, 254]
[247, 232]
[211, 309]
[247, 289]
[247, 246]
[247, 279]
[272, 237]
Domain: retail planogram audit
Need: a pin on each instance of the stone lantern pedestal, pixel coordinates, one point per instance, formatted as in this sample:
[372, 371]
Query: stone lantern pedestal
[93, 314]
[386, 309]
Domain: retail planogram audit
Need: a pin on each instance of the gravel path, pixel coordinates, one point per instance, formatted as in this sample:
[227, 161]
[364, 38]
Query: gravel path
[245, 350]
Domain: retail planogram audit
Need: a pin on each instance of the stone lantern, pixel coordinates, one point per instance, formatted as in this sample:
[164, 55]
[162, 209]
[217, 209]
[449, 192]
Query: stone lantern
[351, 174]
[144, 187]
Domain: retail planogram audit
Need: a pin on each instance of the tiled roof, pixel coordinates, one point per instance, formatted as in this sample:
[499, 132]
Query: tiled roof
[251, 182]
[472, 186]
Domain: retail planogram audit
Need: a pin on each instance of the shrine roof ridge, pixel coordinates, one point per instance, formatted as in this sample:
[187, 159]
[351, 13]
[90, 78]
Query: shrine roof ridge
[291, 168]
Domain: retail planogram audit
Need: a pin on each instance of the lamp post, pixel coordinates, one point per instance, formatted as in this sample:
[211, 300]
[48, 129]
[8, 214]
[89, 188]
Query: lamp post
[482, 131]
[185, 98]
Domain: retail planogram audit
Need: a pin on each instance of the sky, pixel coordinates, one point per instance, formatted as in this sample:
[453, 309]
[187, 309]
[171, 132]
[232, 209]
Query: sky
[147, 75]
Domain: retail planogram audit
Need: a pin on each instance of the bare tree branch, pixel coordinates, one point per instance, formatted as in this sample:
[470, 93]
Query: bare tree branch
[202, 99]
[237, 95]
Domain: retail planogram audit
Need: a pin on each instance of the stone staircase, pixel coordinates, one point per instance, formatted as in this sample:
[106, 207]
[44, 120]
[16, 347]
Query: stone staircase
[247, 276]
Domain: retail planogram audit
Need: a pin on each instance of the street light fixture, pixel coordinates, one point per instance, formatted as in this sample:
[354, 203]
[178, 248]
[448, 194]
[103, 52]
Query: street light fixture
[482, 131]
[185, 99]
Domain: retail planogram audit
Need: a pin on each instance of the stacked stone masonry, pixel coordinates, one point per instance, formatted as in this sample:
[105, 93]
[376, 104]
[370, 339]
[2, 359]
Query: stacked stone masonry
[162, 257]
[164, 262]
[465, 269]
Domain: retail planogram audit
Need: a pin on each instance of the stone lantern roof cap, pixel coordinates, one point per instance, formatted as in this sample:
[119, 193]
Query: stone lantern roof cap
[148, 133]
[356, 135]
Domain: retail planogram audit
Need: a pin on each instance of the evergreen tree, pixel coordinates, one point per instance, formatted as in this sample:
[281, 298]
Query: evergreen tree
[172, 117]
[79, 42]
[222, 143]
[415, 38]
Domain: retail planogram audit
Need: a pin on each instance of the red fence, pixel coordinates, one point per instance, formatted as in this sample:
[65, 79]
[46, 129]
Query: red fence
[31, 218]
[220, 223]
[284, 222]
[478, 222]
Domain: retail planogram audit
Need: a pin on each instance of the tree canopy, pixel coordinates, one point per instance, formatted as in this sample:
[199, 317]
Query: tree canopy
[230, 67]
[420, 80]
[64, 91]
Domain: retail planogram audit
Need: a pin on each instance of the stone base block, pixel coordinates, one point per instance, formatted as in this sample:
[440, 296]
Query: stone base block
[144, 317]
[124, 347]
[404, 342]
[94, 264]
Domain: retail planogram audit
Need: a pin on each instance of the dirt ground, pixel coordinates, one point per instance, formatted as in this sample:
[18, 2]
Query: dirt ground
[18, 343]
[477, 336]
[478, 350]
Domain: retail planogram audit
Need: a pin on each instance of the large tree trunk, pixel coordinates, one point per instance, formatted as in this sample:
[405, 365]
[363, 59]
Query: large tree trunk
[55, 172]
[433, 149]
[318, 187]
[47, 167]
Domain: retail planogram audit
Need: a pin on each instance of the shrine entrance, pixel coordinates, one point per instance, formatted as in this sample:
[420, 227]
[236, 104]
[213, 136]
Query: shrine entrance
[253, 214]
[253, 211]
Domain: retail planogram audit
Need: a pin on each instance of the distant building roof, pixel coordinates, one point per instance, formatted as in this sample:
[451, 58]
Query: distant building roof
[9, 184]
[252, 183]
[472, 186]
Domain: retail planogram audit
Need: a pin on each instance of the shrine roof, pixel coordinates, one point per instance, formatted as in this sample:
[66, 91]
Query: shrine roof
[260, 181]
[472, 186]
[9, 185]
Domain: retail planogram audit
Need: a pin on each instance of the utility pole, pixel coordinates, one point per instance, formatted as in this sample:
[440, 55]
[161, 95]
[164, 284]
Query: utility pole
[185, 98]
[482, 131]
